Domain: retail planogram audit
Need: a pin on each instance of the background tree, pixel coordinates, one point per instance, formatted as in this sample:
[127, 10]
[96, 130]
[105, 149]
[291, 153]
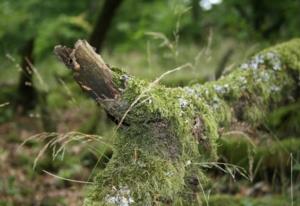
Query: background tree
[103, 23]
[29, 32]
[257, 19]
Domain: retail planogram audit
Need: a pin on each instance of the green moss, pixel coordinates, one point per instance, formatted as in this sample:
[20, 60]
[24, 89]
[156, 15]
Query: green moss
[285, 120]
[169, 129]
[149, 179]
[221, 200]
[273, 155]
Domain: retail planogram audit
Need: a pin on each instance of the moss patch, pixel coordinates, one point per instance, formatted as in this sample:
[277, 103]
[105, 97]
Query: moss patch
[169, 129]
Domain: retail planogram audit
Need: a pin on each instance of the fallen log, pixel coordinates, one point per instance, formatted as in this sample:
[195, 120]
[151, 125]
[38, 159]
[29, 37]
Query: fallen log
[166, 132]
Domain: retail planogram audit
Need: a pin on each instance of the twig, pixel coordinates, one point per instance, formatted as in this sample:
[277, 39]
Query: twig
[67, 179]
[4, 104]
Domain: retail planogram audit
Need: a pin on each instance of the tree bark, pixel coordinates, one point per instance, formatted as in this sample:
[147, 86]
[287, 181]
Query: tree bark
[166, 133]
[103, 23]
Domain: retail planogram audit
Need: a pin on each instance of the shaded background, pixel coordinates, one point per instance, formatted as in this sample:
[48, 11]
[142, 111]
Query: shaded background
[146, 38]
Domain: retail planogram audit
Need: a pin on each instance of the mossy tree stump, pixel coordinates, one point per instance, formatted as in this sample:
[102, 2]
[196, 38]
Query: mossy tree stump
[169, 131]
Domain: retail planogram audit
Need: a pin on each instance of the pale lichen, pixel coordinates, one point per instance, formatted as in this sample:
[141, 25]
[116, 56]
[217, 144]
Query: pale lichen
[183, 103]
[121, 197]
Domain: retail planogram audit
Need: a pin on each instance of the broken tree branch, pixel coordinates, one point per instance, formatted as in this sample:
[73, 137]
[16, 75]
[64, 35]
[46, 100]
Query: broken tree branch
[90, 71]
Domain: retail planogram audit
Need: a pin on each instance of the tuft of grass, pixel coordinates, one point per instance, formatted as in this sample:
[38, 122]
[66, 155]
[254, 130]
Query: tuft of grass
[58, 142]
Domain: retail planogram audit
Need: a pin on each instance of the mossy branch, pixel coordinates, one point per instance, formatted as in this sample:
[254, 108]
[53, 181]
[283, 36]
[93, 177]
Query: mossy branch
[169, 131]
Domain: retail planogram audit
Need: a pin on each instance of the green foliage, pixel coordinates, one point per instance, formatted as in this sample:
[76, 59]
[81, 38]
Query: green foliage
[257, 19]
[286, 120]
[63, 21]
[244, 20]
[155, 16]
[64, 30]
[47, 20]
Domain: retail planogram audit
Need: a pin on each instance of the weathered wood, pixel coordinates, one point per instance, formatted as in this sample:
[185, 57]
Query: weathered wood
[170, 131]
[90, 71]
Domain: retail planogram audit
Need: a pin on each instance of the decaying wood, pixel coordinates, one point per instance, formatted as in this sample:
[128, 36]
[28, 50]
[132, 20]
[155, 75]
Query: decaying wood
[90, 71]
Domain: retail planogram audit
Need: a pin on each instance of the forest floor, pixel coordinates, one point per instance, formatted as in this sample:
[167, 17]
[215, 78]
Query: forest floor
[21, 184]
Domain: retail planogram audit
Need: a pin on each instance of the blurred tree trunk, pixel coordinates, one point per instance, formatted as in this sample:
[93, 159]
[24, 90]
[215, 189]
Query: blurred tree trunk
[195, 10]
[264, 19]
[103, 23]
[26, 93]
[170, 135]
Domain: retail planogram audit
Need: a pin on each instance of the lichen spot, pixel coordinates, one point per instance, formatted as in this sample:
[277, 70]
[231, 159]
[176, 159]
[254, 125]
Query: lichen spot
[120, 197]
